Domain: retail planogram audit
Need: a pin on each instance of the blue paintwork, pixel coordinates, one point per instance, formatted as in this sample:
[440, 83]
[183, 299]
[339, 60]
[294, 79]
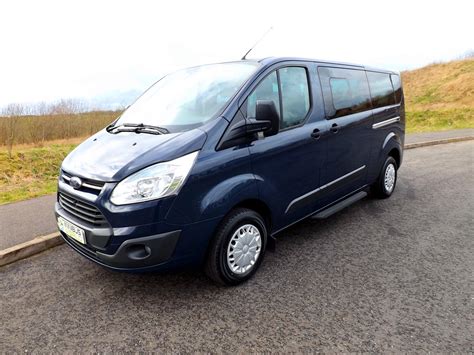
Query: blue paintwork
[112, 157]
[274, 170]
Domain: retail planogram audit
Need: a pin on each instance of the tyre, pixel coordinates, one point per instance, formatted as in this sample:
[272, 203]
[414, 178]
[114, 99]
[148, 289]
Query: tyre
[385, 184]
[238, 247]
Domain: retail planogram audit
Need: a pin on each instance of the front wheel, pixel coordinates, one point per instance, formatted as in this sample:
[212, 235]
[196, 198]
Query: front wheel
[385, 184]
[238, 247]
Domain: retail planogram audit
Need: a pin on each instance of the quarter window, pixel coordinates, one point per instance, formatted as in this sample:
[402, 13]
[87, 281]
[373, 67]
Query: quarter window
[345, 91]
[397, 87]
[291, 85]
[266, 90]
[381, 89]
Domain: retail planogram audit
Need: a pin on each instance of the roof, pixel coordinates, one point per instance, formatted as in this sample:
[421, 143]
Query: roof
[272, 60]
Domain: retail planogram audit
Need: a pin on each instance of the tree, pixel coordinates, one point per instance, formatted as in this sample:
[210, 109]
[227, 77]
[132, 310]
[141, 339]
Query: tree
[467, 55]
[11, 113]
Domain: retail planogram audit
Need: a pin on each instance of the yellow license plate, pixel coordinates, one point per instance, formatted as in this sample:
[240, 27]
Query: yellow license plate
[71, 230]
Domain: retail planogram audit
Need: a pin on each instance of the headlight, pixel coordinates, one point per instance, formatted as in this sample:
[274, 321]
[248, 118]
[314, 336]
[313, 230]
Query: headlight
[156, 181]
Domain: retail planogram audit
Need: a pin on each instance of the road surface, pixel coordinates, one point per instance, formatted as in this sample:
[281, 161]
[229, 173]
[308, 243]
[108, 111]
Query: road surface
[433, 136]
[24, 220]
[393, 275]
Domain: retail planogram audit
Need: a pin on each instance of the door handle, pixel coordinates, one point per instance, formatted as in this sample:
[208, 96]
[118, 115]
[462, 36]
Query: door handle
[334, 128]
[316, 134]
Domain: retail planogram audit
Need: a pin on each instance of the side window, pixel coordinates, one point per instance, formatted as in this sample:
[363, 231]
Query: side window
[292, 82]
[294, 96]
[266, 90]
[397, 87]
[345, 91]
[341, 93]
[381, 89]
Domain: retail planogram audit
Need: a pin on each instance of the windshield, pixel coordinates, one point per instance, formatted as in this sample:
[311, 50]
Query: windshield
[187, 98]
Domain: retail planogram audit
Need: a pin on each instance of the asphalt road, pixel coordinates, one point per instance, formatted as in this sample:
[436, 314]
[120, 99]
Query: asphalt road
[393, 275]
[433, 136]
[24, 220]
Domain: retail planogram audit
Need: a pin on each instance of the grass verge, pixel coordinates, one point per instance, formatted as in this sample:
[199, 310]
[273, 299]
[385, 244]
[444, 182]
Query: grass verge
[32, 171]
[439, 120]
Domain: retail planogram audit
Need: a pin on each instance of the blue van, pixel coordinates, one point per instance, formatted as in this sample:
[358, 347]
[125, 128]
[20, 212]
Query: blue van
[212, 162]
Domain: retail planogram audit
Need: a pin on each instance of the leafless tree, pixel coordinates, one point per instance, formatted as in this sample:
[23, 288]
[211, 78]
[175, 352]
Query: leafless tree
[40, 122]
[67, 106]
[467, 55]
[11, 113]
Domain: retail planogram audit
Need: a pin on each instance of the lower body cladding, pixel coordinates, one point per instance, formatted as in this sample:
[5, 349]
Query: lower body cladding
[174, 247]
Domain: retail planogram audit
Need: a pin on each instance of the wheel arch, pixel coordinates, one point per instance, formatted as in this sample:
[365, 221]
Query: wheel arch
[395, 154]
[258, 206]
[392, 146]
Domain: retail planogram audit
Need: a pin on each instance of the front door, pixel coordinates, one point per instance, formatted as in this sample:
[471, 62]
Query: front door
[287, 166]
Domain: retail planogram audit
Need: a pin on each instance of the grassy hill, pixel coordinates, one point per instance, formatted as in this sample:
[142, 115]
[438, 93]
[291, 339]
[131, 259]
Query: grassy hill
[440, 96]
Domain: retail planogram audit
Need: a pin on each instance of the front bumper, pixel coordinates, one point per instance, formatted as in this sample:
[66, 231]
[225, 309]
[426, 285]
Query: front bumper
[134, 254]
[131, 254]
[151, 247]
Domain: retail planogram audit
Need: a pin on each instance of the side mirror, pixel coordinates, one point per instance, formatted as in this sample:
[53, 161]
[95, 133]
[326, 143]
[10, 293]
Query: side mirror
[266, 112]
[267, 121]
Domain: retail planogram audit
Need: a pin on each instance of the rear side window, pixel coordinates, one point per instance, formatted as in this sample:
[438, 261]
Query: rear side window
[381, 89]
[397, 87]
[288, 88]
[345, 91]
[341, 93]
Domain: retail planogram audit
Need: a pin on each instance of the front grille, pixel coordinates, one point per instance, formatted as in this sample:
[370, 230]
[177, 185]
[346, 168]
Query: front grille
[88, 185]
[82, 210]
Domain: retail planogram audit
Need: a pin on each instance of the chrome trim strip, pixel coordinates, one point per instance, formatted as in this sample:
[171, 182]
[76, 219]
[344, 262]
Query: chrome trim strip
[319, 210]
[85, 184]
[83, 196]
[386, 122]
[323, 187]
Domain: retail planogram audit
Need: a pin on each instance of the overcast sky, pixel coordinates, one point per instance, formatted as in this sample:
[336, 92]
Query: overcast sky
[88, 49]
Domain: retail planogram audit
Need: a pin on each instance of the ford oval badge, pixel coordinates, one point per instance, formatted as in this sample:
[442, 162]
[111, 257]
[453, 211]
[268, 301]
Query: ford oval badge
[75, 182]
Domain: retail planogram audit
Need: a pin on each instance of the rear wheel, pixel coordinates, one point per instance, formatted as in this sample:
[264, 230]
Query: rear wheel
[385, 184]
[238, 247]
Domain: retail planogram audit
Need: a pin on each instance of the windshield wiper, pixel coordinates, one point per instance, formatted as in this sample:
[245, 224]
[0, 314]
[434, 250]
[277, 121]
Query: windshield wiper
[137, 128]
